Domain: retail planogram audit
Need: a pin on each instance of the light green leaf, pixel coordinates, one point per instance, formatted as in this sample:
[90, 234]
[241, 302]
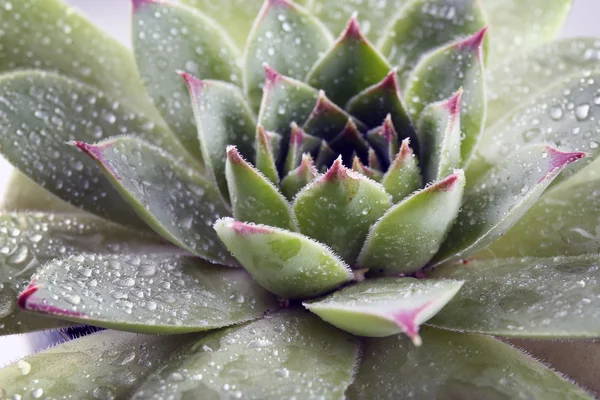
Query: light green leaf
[300, 143]
[288, 355]
[223, 118]
[453, 365]
[516, 26]
[424, 25]
[502, 197]
[29, 240]
[253, 197]
[50, 35]
[386, 306]
[349, 67]
[373, 174]
[327, 120]
[338, 208]
[517, 79]
[525, 297]
[287, 37]
[286, 263]
[265, 153]
[160, 293]
[103, 365]
[441, 73]
[440, 137]
[177, 202]
[40, 112]
[299, 178]
[411, 232]
[169, 37]
[403, 177]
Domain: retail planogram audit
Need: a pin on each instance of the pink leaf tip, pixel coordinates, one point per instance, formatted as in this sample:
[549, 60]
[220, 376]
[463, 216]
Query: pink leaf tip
[194, 84]
[26, 302]
[137, 4]
[336, 171]
[387, 130]
[390, 82]
[352, 30]
[453, 103]
[245, 229]
[323, 105]
[234, 156]
[263, 137]
[89, 149]
[405, 149]
[25, 295]
[559, 159]
[272, 77]
[307, 166]
[448, 183]
[297, 135]
[474, 42]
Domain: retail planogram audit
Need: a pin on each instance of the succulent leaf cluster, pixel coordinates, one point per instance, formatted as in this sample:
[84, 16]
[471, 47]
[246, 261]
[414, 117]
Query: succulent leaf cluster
[290, 189]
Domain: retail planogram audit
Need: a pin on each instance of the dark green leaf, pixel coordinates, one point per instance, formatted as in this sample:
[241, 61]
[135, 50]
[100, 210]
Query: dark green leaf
[299, 178]
[325, 157]
[404, 176]
[350, 142]
[300, 143]
[385, 140]
[286, 263]
[327, 120]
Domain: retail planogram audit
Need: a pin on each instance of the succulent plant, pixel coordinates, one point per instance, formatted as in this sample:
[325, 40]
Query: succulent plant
[290, 208]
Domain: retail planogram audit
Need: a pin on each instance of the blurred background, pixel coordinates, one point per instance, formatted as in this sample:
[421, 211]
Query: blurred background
[114, 17]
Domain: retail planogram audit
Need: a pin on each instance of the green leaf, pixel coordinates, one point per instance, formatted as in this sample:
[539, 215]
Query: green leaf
[370, 173]
[159, 293]
[454, 365]
[327, 120]
[350, 142]
[386, 306]
[502, 197]
[49, 35]
[170, 37]
[300, 143]
[265, 154]
[253, 197]
[385, 140]
[103, 365]
[441, 73]
[563, 222]
[42, 111]
[349, 67]
[287, 37]
[288, 355]
[525, 297]
[223, 118]
[29, 240]
[379, 101]
[177, 202]
[285, 100]
[424, 25]
[520, 26]
[514, 81]
[565, 115]
[411, 232]
[403, 177]
[299, 178]
[285, 263]
[440, 136]
[338, 208]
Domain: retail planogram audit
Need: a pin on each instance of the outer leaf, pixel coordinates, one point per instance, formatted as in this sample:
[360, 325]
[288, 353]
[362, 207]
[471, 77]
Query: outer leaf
[439, 132]
[176, 202]
[170, 37]
[286, 36]
[289, 355]
[349, 67]
[50, 35]
[163, 293]
[566, 115]
[41, 112]
[424, 25]
[404, 176]
[514, 81]
[28, 240]
[299, 178]
[223, 118]
[430, 82]
[502, 197]
[519, 26]
[411, 232]
[284, 100]
[385, 307]
[455, 365]
[102, 365]
[327, 120]
[253, 197]
[265, 154]
[285, 263]
[529, 297]
[338, 208]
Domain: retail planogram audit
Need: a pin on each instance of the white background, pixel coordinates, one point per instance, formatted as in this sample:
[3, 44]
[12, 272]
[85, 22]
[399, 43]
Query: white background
[114, 17]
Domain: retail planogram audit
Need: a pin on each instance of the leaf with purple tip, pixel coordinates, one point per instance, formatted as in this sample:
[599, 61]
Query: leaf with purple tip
[403, 177]
[431, 82]
[286, 263]
[440, 136]
[169, 37]
[222, 118]
[327, 120]
[295, 180]
[386, 306]
[300, 143]
[253, 197]
[287, 37]
[338, 208]
[350, 141]
[370, 173]
[502, 197]
[385, 140]
[267, 153]
[411, 232]
[177, 202]
[349, 67]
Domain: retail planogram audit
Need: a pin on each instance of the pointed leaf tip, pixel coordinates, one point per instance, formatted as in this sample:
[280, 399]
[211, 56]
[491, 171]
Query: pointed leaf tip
[390, 82]
[27, 302]
[242, 228]
[234, 155]
[89, 149]
[560, 158]
[193, 84]
[272, 77]
[25, 295]
[448, 183]
[388, 130]
[336, 171]
[453, 103]
[474, 42]
[352, 30]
